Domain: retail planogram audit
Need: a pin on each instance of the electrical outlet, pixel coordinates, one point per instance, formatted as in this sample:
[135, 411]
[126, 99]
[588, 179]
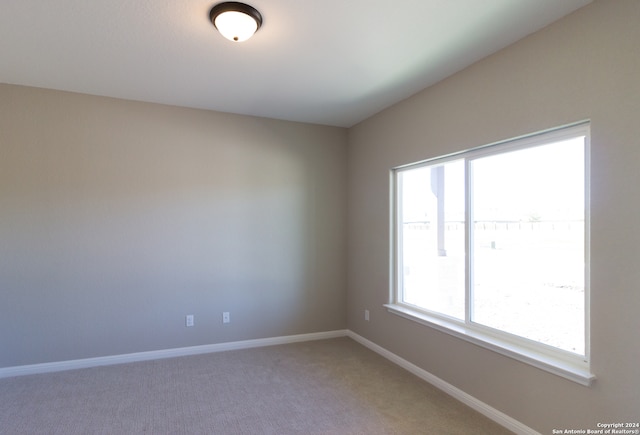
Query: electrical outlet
[189, 320]
[226, 318]
[366, 315]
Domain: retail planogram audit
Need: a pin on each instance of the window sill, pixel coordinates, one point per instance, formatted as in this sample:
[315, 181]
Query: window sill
[559, 366]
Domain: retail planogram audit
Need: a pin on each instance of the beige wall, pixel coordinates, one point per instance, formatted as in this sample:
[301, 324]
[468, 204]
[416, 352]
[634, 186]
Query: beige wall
[119, 218]
[585, 66]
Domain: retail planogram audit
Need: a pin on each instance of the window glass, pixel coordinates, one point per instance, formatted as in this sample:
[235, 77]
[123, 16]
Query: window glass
[494, 239]
[528, 243]
[433, 235]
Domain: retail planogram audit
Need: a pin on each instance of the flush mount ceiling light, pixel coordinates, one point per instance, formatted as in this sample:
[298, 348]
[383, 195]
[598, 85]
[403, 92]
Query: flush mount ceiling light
[235, 21]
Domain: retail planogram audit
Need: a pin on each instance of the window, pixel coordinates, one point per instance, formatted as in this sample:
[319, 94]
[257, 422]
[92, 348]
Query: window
[491, 245]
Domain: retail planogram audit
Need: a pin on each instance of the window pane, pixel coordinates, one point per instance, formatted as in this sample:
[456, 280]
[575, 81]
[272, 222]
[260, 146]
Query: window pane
[432, 238]
[528, 267]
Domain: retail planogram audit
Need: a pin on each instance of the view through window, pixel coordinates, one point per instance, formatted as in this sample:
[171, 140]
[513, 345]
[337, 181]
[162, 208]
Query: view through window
[495, 238]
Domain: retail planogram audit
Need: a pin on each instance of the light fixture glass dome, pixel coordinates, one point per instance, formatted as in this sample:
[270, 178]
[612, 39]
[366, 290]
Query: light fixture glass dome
[235, 21]
[236, 26]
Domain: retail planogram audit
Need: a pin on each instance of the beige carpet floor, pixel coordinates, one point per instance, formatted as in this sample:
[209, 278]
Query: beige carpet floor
[331, 386]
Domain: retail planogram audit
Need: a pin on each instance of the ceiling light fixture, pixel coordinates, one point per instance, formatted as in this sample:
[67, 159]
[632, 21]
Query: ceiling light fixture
[235, 21]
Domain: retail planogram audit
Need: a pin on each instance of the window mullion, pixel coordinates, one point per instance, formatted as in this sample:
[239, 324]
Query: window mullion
[468, 217]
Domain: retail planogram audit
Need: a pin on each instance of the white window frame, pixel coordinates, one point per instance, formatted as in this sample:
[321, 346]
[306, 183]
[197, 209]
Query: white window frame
[557, 361]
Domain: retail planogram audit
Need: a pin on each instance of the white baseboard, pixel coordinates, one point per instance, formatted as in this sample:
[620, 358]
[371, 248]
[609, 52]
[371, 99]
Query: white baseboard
[160, 354]
[484, 409]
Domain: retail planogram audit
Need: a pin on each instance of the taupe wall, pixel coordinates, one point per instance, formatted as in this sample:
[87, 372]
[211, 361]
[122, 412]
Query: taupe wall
[585, 66]
[119, 218]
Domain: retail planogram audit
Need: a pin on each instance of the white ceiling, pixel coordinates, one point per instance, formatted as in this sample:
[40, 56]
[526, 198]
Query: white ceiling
[333, 62]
